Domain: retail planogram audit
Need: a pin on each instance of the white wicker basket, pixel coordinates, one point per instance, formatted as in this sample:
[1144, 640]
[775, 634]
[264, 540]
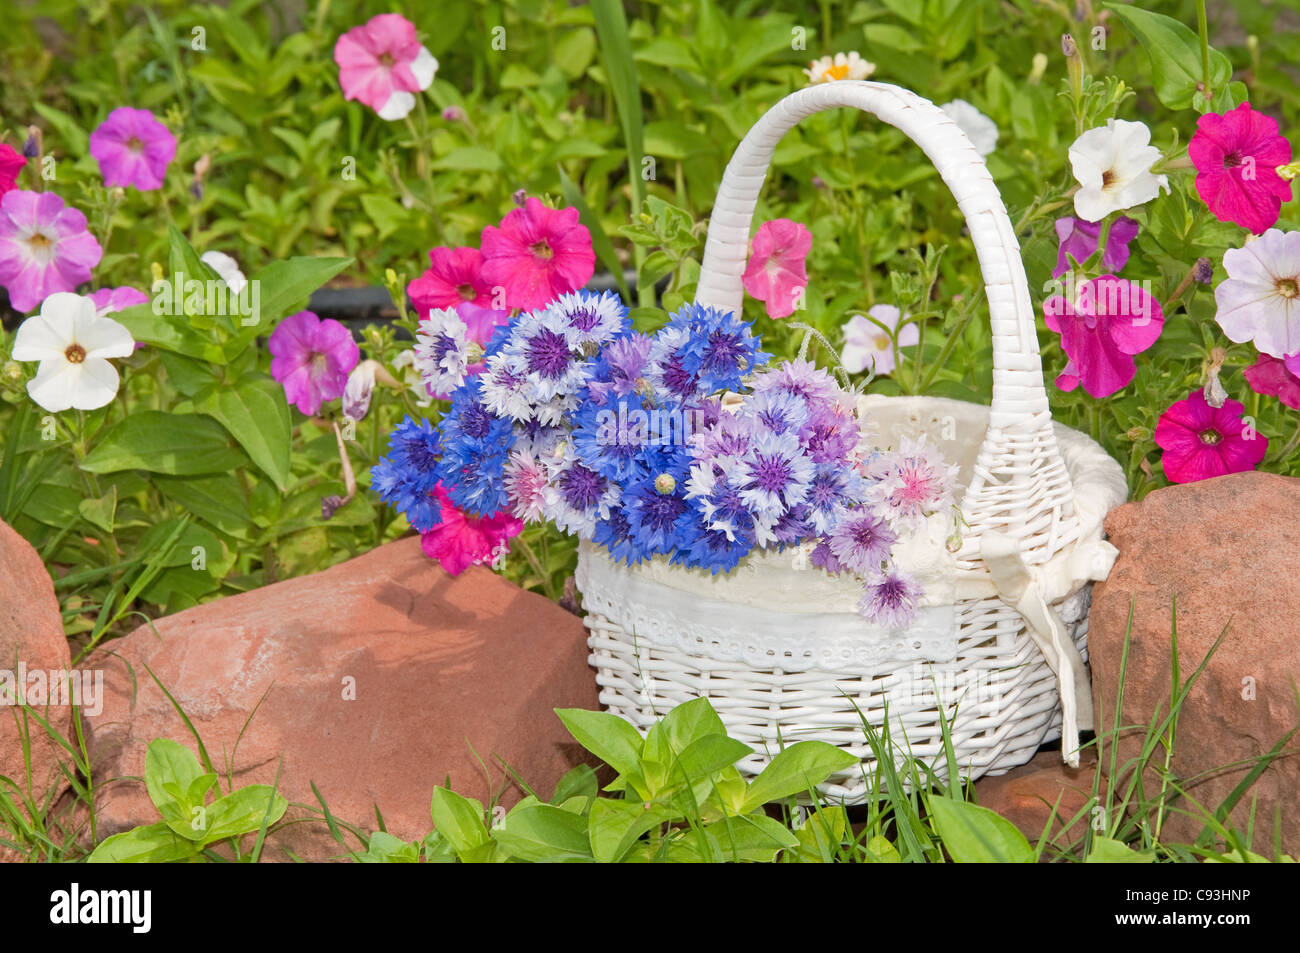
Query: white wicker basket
[779, 648]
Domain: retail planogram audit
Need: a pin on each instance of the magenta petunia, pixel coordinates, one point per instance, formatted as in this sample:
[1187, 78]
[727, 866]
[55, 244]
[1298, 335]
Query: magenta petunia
[775, 273]
[455, 276]
[312, 359]
[132, 148]
[459, 541]
[44, 247]
[1237, 155]
[1201, 441]
[1275, 378]
[1079, 240]
[382, 64]
[1110, 320]
[537, 254]
[11, 163]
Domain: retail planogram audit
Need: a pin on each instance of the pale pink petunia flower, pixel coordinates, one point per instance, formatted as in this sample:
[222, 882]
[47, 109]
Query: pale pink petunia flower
[868, 346]
[537, 254]
[110, 300]
[1259, 301]
[44, 247]
[775, 273]
[383, 64]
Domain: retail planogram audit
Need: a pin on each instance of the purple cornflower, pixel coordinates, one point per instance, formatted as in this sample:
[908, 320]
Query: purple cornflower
[441, 351]
[862, 542]
[312, 359]
[891, 602]
[589, 320]
[578, 496]
[799, 377]
[621, 367]
[774, 475]
[132, 148]
[672, 372]
[539, 348]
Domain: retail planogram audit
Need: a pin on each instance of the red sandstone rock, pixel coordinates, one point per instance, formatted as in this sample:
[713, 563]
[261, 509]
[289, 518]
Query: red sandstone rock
[31, 641]
[1228, 550]
[383, 676]
[1026, 796]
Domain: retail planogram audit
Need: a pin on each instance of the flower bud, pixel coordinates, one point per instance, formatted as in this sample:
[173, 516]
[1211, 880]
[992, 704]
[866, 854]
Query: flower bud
[519, 197]
[1203, 271]
[12, 372]
[1038, 67]
[665, 484]
[453, 114]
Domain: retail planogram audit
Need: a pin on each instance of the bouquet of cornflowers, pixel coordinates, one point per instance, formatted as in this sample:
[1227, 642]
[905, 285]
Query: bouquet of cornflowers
[682, 444]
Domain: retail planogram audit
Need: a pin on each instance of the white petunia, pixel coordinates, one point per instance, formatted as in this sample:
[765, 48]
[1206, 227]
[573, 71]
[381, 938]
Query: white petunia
[828, 69]
[73, 344]
[227, 268]
[1112, 164]
[1259, 301]
[867, 345]
[979, 128]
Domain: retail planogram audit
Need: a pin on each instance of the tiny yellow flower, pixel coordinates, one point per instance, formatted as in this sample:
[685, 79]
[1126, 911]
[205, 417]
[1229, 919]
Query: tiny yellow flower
[828, 69]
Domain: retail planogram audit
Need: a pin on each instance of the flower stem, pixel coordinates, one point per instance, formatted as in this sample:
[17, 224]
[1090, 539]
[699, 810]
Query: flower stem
[1202, 27]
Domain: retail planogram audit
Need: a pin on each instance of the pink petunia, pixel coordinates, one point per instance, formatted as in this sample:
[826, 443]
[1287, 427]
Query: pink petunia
[537, 254]
[455, 276]
[775, 274]
[312, 359]
[110, 300]
[132, 148]
[1079, 240]
[44, 247]
[382, 64]
[11, 163]
[1110, 321]
[1201, 441]
[460, 541]
[1275, 378]
[1236, 155]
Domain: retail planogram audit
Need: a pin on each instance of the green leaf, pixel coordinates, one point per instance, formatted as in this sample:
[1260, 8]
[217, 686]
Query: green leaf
[168, 333]
[755, 838]
[217, 499]
[1106, 850]
[384, 848]
[1175, 52]
[242, 811]
[607, 736]
[100, 512]
[388, 215]
[795, 770]
[690, 721]
[577, 782]
[177, 785]
[544, 833]
[255, 414]
[469, 159]
[460, 821]
[155, 844]
[600, 242]
[883, 851]
[975, 835]
[620, 67]
[613, 826]
[710, 754]
[174, 444]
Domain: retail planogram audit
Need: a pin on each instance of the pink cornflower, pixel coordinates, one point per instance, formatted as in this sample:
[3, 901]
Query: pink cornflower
[460, 541]
[775, 274]
[382, 64]
[11, 163]
[44, 247]
[1274, 377]
[526, 480]
[537, 254]
[455, 276]
[1079, 240]
[132, 148]
[1201, 441]
[891, 602]
[312, 359]
[913, 482]
[1110, 321]
[1236, 155]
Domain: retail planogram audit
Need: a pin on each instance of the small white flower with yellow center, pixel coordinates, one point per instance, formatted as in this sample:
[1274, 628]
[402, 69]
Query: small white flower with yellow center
[827, 69]
[73, 343]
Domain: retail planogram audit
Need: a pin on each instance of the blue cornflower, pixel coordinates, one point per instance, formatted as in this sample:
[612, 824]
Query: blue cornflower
[615, 534]
[405, 478]
[475, 443]
[723, 347]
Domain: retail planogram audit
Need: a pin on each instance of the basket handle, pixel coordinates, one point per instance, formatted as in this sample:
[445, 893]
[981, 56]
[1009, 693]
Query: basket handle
[1020, 486]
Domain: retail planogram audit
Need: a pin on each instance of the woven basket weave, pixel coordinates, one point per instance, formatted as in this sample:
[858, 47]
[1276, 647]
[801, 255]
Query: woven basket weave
[997, 649]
